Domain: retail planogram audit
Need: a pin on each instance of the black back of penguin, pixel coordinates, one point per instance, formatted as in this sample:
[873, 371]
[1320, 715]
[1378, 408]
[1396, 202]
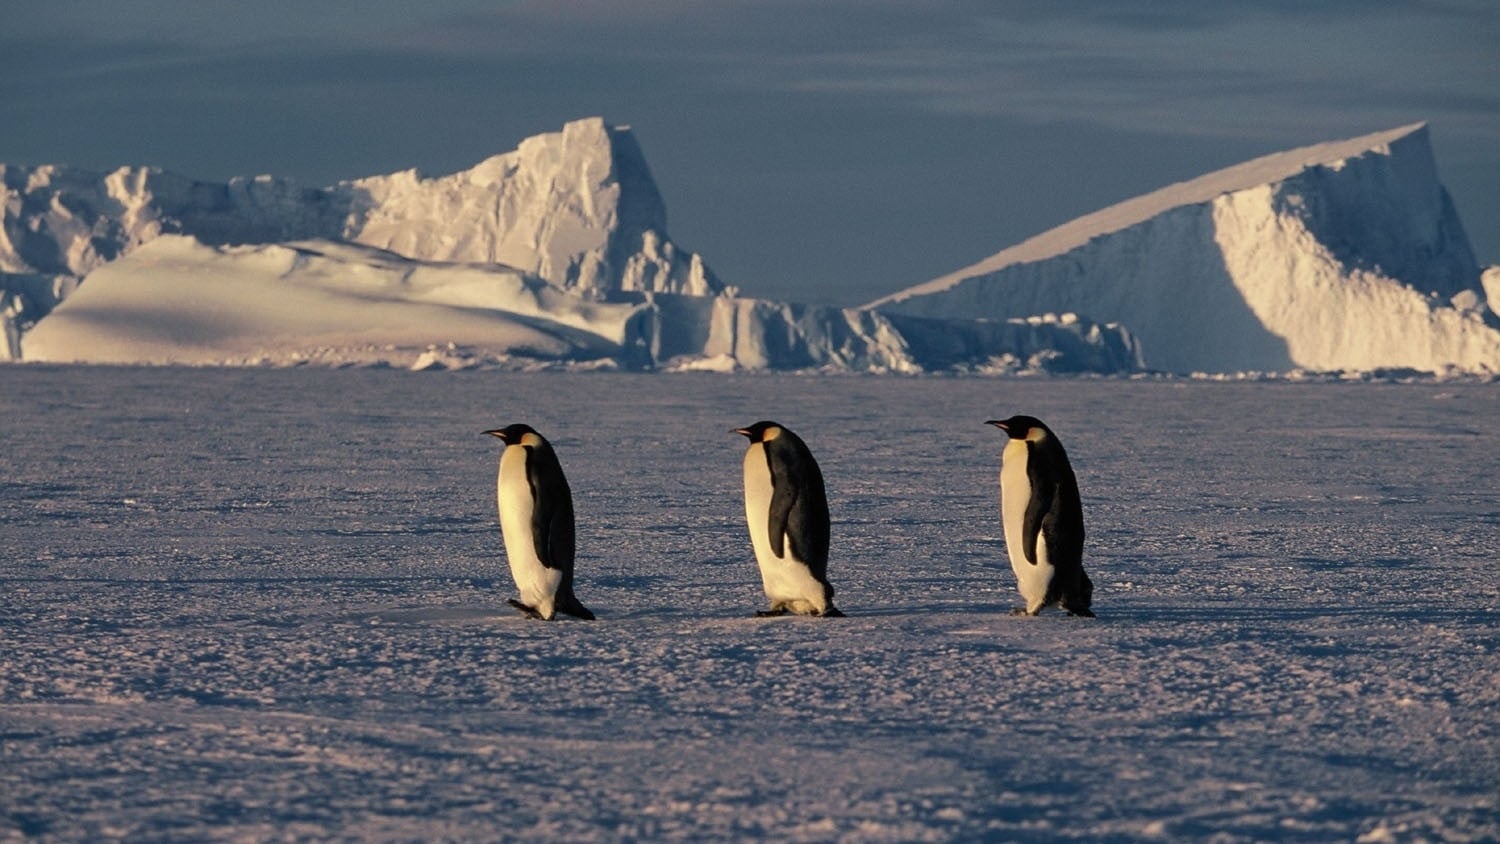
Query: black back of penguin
[799, 505]
[1048, 463]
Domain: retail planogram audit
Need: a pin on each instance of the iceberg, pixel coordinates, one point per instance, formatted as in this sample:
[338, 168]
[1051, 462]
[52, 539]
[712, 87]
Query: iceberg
[1340, 256]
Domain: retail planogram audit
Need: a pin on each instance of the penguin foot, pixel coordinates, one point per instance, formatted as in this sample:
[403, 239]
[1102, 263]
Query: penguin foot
[530, 611]
[771, 613]
[1022, 611]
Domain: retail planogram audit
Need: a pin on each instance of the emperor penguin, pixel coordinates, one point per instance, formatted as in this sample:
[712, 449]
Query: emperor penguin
[536, 519]
[786, 510]
[1043, 518]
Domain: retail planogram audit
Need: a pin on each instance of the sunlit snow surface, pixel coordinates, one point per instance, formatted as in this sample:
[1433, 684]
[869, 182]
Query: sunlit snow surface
[256, 604]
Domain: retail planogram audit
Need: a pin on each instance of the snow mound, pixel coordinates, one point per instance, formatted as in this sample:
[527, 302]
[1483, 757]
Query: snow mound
[577, 208]
[1340, 256]
[177, 300]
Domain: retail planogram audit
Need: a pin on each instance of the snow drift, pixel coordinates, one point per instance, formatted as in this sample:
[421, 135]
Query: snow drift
[176, 300]
[1341, 256]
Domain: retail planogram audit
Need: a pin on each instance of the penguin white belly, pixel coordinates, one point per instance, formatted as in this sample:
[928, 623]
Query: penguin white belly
[1015, 495]
[536, 583]
[787, 580]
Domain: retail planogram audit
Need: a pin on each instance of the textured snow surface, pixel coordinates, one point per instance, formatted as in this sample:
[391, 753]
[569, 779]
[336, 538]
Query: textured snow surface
[1340, 256]
[255, 604]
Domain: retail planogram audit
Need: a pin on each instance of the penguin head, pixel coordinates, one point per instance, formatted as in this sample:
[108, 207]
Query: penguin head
[761, 432]
[1022, 428]
[518, 434]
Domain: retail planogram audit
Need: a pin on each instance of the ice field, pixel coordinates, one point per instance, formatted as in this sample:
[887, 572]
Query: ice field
[255, 605]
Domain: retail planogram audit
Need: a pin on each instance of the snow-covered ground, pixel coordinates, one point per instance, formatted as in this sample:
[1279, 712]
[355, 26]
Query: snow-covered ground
[260, 604]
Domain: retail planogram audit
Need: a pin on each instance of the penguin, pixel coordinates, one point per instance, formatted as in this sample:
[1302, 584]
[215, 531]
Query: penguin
[536, 520]
[786, 510]
[1043, 518]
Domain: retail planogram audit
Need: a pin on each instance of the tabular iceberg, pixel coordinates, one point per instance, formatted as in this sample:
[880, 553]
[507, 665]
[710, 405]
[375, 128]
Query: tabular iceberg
[1341, 256]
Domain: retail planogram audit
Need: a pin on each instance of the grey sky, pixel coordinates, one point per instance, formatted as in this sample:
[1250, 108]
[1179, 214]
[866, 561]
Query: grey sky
[822, 151]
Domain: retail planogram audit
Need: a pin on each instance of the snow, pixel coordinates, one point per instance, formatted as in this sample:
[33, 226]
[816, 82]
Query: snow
[175, 300]
[1340, 256]
[577, 208]
[178, 301]
[262, 604]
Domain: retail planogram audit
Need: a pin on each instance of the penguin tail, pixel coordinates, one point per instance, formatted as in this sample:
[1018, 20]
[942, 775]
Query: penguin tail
[1079, 599]
[832, 612]
[570, 605]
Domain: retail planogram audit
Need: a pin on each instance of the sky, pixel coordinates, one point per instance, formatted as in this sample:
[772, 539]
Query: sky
[812, 150]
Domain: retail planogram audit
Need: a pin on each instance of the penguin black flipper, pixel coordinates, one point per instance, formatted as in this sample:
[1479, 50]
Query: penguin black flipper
[808, 522]
[552, 517]
[552, 527]
[1042, 504]
[784, 495]
[808, 526]
[799, 518]
[1063, 531]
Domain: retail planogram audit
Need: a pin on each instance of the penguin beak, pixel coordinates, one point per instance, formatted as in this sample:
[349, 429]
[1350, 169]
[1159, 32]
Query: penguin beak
[741, 431]
[998, 423]
[496, 433]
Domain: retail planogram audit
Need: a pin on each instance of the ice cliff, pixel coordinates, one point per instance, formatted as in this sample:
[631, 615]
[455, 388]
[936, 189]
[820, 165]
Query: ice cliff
[1341, 256]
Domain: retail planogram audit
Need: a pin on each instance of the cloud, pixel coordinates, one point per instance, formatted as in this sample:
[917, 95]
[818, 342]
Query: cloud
[1259, 68]
[1263, 69]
